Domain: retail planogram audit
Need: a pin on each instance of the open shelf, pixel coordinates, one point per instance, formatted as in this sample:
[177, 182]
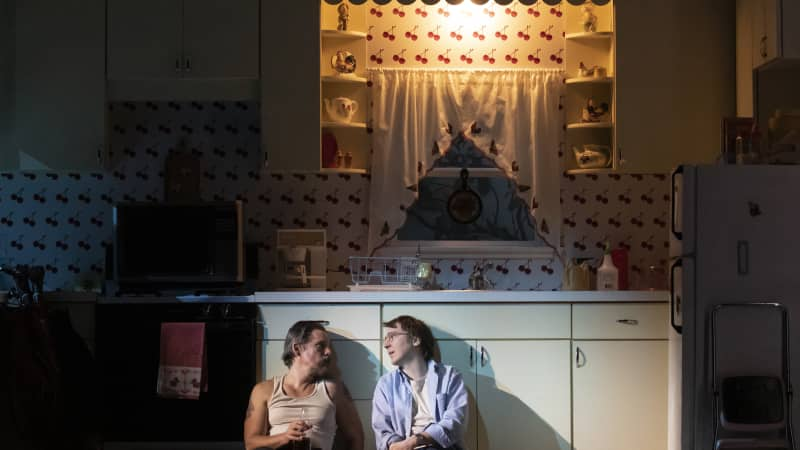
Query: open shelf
[585, 171]
[343, 79]
[572, 126]
[590, 36]
[336, 170]
[327, 124]
[589, 80]
[336, 34]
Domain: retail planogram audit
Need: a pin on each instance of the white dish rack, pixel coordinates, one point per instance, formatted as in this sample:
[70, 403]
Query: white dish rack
[383, 273]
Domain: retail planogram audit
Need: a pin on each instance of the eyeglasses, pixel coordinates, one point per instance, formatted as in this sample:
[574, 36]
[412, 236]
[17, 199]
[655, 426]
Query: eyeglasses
[390, 337]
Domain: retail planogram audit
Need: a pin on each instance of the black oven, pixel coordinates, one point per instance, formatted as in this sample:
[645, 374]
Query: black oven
[128, 336]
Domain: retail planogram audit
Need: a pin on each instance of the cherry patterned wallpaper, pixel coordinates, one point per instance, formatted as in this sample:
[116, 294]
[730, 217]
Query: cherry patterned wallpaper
[466, 35]
[62, 220]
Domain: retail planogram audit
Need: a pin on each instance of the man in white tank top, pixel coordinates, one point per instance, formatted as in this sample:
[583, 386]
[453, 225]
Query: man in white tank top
[304, 408]
[421, 404]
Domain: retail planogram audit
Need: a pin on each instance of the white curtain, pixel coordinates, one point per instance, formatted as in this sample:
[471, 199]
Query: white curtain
[512, 115]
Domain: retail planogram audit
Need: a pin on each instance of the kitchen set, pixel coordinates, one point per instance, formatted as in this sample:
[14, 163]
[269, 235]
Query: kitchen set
[601, 246]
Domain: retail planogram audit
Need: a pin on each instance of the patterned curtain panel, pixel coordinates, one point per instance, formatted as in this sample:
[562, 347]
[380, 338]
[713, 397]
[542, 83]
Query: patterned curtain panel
[512, 116]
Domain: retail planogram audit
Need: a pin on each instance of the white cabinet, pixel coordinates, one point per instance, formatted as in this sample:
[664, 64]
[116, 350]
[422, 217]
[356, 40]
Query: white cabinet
[523, 394]
[619, 376]
[290, 86]
[54, 84]
[294, 115]
[620, 395]
[355, 336]
[191, 40]
[774, 32]
[515, 360]
[673, 81]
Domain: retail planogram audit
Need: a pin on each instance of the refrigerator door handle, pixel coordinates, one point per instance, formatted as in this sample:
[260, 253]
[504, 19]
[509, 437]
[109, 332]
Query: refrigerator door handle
[673, 225]
[674, 300]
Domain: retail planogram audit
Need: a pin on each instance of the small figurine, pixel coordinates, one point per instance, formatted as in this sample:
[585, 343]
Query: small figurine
[592, 113]
[594, 71]
[344, 16]
[589, 19]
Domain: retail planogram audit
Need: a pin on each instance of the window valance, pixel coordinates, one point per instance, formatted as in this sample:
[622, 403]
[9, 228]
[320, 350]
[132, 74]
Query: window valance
[478, 2]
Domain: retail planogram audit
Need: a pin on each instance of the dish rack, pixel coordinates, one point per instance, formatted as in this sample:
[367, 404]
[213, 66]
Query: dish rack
[383, 273]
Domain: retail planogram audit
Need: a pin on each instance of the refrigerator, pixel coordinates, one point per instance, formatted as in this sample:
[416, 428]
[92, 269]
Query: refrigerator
[734, 239]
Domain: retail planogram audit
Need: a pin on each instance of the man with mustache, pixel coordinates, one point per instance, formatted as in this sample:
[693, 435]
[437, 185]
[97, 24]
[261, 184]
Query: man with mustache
[305, 403]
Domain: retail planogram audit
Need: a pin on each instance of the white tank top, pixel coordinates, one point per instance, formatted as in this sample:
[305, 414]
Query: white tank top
[320, 412]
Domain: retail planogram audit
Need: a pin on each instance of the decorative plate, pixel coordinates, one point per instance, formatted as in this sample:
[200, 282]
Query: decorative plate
[343, 62]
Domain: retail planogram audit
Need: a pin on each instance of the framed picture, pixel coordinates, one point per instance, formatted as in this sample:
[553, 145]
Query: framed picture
[732, 127]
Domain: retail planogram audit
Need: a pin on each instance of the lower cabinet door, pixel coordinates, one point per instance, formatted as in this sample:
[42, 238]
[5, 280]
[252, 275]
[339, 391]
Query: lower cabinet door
[463, 356]
[364, 408]
[359, 361]
[523, 392]
[620, 395]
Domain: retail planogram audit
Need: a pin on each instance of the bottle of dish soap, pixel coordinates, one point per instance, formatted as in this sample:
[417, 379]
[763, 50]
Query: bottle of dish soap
[607, 273]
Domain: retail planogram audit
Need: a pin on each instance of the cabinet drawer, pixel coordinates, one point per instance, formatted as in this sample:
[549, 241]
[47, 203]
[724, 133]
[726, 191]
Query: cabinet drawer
[620, 321]
[499, 321]
[345, 321]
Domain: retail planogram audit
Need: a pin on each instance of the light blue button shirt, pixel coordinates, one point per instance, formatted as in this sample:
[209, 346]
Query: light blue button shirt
[447, 398]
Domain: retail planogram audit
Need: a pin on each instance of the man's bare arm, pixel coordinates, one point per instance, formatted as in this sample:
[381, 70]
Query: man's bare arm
[346, 415]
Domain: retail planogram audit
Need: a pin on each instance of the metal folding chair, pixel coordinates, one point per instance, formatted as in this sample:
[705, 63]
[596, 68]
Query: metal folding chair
[751, 379]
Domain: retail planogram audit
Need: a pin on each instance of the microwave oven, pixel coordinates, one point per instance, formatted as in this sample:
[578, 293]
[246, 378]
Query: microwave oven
[182, 246]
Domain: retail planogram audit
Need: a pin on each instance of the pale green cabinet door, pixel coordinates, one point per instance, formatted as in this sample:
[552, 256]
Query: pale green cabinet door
[463, 356]
[620, 395]
[524, 395]
[58, 94]
[359, 362]
[145, 39]
[220, 39]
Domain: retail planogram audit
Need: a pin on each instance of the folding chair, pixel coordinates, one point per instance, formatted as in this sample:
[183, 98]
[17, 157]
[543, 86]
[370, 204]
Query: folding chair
[750, 376]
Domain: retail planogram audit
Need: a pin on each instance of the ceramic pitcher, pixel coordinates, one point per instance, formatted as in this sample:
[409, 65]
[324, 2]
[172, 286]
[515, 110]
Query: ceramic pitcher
[341, 109]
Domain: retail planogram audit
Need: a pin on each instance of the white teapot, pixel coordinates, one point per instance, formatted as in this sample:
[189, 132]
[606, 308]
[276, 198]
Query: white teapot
[341, 109]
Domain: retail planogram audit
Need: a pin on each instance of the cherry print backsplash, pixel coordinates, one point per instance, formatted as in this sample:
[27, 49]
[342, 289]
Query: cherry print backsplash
[465, 35]
[62, 220]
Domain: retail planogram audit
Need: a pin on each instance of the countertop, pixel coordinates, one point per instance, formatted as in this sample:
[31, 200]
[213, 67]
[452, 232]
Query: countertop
[460, 296]
[452, 296]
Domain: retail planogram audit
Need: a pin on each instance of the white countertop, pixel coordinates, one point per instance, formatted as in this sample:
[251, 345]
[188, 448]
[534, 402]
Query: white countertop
[453, 296]
[459, 296]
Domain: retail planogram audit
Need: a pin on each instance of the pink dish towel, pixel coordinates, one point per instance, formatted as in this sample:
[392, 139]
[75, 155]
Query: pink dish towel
[182, 365]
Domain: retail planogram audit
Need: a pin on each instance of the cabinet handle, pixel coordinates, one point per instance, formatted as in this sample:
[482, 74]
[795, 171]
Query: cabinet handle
[578, 353]
[100, 155]
[483, 356]
[471, 355]
[620, 158]
[177, 64]
[763, 47]
[628, 321]
[187, 64]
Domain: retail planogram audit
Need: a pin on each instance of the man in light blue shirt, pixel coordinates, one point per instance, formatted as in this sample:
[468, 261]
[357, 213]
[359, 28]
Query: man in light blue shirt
[422, 403]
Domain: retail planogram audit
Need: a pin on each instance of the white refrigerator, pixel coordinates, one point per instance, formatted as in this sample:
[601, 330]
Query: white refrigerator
[735, 238]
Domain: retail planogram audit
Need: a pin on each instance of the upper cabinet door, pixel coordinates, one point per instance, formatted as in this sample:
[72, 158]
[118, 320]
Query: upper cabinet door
[58, 85]
[766, 31]
[290, 86]
[674, 81]
[220, 39]
[144, 39]
[645, 94]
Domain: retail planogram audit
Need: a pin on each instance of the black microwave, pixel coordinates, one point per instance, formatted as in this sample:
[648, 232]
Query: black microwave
[190, 246]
